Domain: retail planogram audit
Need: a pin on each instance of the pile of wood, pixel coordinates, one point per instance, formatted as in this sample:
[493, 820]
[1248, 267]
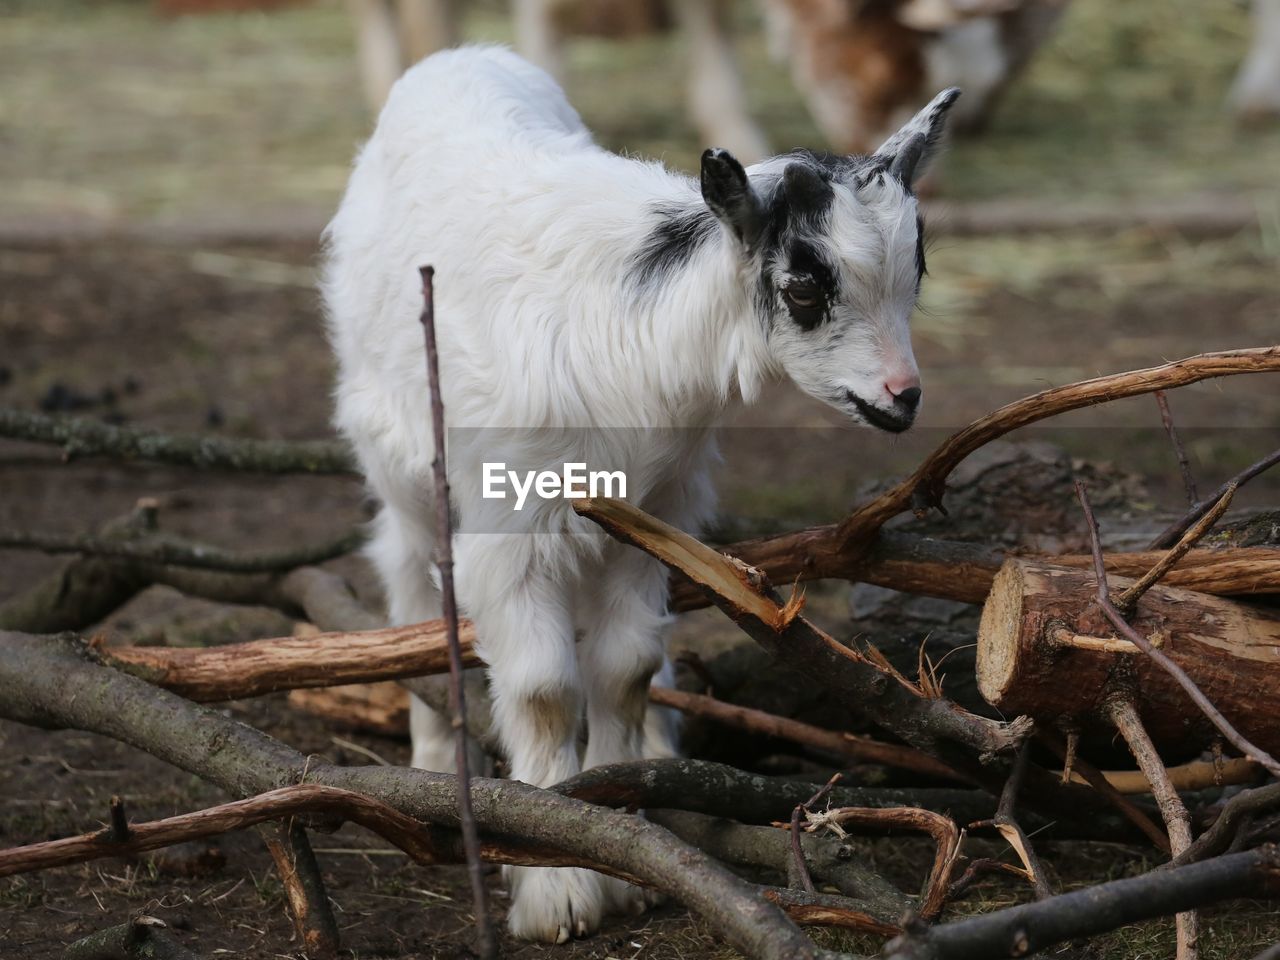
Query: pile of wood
[1176, 647]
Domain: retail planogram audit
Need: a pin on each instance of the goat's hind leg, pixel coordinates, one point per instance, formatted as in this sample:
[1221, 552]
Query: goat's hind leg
[401, 550]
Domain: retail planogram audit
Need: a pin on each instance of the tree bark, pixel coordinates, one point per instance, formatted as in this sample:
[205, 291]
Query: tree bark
[1044, 649]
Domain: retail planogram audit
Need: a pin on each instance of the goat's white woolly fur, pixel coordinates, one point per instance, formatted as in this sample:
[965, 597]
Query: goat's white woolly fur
[480, 167]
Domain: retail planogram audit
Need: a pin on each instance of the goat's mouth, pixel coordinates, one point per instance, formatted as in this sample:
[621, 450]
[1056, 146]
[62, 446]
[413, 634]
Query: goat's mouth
[879, 418]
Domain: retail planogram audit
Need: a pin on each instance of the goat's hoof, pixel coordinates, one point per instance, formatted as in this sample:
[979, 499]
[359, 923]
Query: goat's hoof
[552, 904]
[628, 899]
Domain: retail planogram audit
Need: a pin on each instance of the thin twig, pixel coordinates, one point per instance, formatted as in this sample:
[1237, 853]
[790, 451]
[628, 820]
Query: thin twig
[1113, 615]
[797, 849]
[1125, 717]
[1128, 600]
[175, 554]
[946, 835]
[1006, 824]
[92, 438]
[1098, 780]
[1175, 530]
[924, 488]
[486, 945]
[858, 748]
[1188, 480]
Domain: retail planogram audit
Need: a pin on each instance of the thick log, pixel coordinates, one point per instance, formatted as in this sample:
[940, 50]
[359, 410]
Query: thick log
[1044, 649]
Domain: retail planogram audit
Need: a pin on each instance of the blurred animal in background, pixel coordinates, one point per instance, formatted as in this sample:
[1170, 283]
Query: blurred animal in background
[860, 65]
[601, 310]
[1255, 94]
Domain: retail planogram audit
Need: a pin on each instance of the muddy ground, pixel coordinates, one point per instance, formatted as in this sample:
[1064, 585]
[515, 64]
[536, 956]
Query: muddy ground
[228, 340]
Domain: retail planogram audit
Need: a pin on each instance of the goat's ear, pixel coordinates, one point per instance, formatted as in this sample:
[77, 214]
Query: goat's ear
[729, 195]
[906, 154]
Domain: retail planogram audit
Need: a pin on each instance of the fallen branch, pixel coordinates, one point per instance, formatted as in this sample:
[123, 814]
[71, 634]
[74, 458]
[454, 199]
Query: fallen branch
[307, 798]
[1029, 928]
[1128, 600]
[1235, 812]
[177, 554]
[299, 873]
[257, 667]
[91, 438]
[1179, 451]
[1042, 624]
[946, 836]
[829, 860]
[925, 487]
[862, 749]
[964, 571]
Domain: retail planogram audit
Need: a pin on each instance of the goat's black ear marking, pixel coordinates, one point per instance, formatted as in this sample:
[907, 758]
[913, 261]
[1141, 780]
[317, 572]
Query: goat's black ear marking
[729, 195]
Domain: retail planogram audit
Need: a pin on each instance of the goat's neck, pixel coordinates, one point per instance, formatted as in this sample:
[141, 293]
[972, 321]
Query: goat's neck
[711, 346]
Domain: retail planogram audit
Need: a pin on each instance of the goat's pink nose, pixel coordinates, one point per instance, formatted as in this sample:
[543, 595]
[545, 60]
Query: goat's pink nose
[905, 391]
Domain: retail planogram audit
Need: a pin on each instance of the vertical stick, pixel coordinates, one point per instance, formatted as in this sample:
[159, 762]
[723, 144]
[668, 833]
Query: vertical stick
[1188, 480]
[486, 946]
[1176, 818]
[303, 887]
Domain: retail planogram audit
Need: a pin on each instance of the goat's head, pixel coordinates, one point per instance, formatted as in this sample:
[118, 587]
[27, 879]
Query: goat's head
[833, 247]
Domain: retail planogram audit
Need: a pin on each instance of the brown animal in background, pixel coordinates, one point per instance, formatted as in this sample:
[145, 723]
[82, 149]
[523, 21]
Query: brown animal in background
[862, 64]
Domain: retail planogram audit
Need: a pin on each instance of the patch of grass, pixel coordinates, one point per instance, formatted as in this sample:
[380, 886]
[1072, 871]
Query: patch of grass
[111, 111]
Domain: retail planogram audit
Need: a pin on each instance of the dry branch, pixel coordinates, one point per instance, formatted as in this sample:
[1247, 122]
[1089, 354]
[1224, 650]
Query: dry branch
[943, 830]
[486, 945]
[299, 873]
[925, 487]
[406, 833]
[862, 749]
[1026, 929]
[1176, 819]
[829, 860]
[91, 438]
[208, 674]
[964, 571]
[178, 554]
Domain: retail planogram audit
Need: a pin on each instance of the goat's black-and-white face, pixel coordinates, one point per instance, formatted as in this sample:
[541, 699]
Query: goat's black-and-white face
[835, 244]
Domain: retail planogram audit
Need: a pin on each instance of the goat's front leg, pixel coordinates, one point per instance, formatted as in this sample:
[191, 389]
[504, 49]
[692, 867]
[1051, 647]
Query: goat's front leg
[623, 647]
[525, 635]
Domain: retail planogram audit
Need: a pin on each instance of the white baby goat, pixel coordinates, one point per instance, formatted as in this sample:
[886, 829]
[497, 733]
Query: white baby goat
[579, 292]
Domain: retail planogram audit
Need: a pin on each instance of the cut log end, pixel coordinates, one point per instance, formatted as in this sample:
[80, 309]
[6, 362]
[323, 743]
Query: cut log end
[998, 633]
[1045, 650]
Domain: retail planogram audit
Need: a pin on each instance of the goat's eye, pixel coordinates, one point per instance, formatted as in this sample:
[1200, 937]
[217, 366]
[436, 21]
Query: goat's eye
[806, 298]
